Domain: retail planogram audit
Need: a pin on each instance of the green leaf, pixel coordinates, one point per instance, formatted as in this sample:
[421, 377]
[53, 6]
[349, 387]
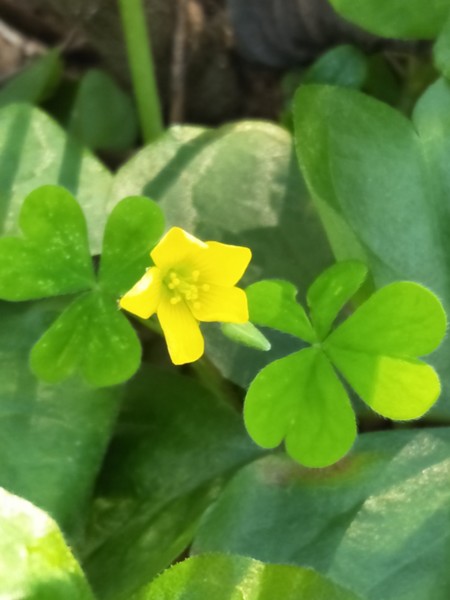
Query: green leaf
[343, 65]
[52, 437]
[92, 336]
[382, 187]
[103, 116]
[52, 256]
[301, 399]
[36, 82]
[35, 562]
[376, 350]
[215, 199]
[132, 230]
[35, 151]
[441, 50]
[246, 334]
[175, 446]
[273, 303]
[405, 19]
[377, 522]
[225, 577]
[331, 291]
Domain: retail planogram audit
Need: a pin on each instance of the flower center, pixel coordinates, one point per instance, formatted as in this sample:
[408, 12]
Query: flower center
[185, 286]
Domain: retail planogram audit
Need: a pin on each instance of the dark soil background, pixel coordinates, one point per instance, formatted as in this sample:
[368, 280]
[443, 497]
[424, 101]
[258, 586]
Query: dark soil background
[217, 60]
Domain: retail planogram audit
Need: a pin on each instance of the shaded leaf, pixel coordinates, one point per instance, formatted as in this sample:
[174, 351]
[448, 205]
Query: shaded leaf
[174, 447]
[92, 336]
[376, 522]
[34, 83]
[52, 256]
[343, 65]
[103, 116]
[36, 151]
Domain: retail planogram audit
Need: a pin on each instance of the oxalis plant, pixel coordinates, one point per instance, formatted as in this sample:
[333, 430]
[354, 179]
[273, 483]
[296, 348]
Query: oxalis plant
[189, 345]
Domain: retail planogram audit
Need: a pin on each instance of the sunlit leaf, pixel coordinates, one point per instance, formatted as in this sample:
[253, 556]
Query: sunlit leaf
[225, 577]
[299, 398]
[133, 228]
[35, 562]
[331, 291]
[273, 303]
[52, 256]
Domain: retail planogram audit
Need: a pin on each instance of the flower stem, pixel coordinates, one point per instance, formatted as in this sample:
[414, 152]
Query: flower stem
[137, 40]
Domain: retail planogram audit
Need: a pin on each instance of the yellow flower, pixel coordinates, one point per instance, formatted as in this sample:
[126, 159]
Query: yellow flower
[191, 281]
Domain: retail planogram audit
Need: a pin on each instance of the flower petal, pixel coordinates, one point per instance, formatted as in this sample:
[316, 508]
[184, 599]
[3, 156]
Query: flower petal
[222, 264]
[143, 298]
[182, 332]
[176, 247]
[220, 303]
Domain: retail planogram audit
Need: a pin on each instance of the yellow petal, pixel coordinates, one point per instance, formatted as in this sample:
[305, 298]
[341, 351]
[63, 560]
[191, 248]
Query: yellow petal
[182, 332]
[219, 303]
[176, 247]
[222, 264]
[143, 298]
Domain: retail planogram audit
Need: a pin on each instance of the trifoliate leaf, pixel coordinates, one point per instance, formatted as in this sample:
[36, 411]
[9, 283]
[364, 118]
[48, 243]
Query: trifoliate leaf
[231, 577]
[299, 398]
[331, 291]
[52, 255]
[133, 228]
[272, 303]
[247, 335]
[90, 335]
[377, 348]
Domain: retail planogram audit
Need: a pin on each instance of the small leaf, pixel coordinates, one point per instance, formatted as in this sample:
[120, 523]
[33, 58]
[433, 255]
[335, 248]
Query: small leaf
[52, 258]
[441, 50]
[133, 228]
[405, 19]
[331, 291]
[36, 82]
[228, 577]
[272, 303]
[301, 399]
[247, 335]
[92, 335]
[103, 116]
[343, 65]
[376, 349]
[35, 562]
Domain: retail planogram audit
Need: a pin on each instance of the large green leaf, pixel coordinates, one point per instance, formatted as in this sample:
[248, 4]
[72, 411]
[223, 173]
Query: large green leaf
[35, 151]
[52, 437]
[35, 562]
[222, 577]
[407, 19]
[90, 335]
[377, 522]
[215, 198]
[382, 189]
[52, 255]
[175, 445]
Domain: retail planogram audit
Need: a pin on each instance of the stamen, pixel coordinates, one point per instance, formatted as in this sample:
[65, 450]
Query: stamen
[175, 300]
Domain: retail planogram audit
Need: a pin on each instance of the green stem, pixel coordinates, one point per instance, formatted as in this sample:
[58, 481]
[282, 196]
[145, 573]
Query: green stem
[140, 58]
